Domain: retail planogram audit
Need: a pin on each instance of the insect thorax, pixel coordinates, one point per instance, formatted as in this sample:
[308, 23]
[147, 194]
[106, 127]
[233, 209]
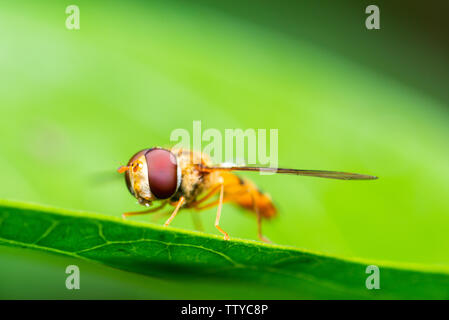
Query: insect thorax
[193, 181]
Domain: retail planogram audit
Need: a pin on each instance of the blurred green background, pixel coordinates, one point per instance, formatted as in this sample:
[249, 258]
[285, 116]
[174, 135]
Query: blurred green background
[74, 105]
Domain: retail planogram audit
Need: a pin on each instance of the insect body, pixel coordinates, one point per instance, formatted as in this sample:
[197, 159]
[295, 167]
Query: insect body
[188, 179]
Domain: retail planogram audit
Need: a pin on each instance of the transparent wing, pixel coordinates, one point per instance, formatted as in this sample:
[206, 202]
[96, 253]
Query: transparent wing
[310, 173]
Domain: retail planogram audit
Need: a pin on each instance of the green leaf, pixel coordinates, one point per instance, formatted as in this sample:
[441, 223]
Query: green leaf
[194, 258]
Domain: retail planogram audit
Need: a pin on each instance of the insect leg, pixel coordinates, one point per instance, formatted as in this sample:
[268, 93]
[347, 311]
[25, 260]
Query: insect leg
[178, 206]
[212, 204]
[135, 213]
[216, 202]
[213, 191]
[220, 205]
[259, 219]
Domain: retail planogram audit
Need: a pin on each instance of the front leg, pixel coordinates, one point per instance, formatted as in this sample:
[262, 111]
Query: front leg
[136, 213]
[173, 215]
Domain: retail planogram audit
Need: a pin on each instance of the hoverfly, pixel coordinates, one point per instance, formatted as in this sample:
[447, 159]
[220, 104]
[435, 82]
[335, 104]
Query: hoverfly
[187, 179]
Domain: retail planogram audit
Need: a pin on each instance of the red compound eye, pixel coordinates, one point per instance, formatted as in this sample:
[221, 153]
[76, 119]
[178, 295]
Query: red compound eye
[162, 173]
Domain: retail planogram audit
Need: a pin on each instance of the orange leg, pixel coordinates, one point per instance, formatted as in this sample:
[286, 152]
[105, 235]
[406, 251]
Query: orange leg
[259, 221]
[213, 191]
[259, 226]
[216, 202]
[217, 220]
[213, 204]
[259, 229]
[136, 213]
[178, 206]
